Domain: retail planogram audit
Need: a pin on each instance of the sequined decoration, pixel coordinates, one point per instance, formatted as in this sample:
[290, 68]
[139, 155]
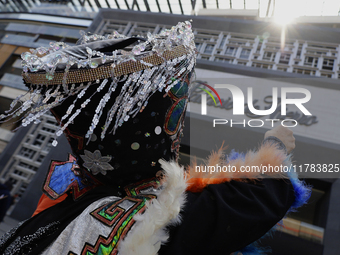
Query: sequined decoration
[21, 244]
[96, 162]
[8, 235]
[135, 146]
[158, 130]
[171, 55]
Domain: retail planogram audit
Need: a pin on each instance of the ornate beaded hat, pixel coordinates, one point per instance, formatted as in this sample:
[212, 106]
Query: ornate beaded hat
[120, 101]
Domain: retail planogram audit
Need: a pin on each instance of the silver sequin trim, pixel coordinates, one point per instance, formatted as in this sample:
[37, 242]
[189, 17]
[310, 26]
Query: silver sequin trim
[24, 245]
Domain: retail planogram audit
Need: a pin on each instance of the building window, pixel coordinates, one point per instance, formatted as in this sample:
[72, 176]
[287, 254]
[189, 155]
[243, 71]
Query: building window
[22, 189]
[327, 64]
[48, 145]
[223, 41]
[262, 65]
[40, 158]
[283, 69]
[327, 75]
[231, 51]
[315, 52]
[49, 130]
[27, 153]
[304, 71]
[226, 60]
[284, 58]
[268, 55]
[311, 61]
[198, 46]
[39, 140]
[209, 48]
[242, 63]
[239, 43]
[245, 53]
[27, 166]
[51, 122]
[20, 173]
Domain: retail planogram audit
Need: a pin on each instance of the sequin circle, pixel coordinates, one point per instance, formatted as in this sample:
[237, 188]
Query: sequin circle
[135, 146]
[158, 130]
[93, 138]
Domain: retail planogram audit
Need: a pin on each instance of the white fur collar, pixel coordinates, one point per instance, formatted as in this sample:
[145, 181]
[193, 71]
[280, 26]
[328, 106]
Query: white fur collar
[148, 233]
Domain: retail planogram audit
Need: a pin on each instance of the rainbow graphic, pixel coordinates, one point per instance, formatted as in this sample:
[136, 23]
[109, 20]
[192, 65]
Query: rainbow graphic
[209, 93]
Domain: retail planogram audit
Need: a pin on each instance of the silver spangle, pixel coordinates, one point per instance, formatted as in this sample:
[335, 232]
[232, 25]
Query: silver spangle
[136, 89]
[96, 163]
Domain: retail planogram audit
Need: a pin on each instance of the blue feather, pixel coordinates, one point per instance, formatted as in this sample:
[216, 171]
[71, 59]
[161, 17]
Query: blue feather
[302, 191]
[234, 155]
[302, 195]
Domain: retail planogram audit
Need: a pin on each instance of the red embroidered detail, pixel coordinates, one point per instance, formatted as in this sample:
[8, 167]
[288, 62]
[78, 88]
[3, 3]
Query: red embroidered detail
[78, 184]
[80, 139]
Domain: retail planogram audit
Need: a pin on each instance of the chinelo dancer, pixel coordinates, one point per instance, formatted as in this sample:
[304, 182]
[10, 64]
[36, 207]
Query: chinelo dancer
[121, 103]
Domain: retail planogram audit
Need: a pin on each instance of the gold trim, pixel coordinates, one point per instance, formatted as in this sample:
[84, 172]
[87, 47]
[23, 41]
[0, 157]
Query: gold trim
[104, 71]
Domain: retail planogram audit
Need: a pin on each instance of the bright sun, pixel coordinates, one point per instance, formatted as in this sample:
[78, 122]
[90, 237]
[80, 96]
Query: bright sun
[286, 11]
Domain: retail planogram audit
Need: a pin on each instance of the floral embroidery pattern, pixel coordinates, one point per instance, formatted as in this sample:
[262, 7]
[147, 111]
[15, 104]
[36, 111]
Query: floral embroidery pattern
[96, 162]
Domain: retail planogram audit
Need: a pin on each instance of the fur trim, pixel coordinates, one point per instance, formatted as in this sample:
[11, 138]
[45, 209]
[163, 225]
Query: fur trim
[148, 233]
[267, 155]
[302, 191]
[302, 195]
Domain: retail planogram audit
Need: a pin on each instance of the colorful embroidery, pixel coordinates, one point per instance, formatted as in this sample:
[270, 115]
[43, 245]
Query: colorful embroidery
[136, 188]
[174, 117]
[175, 145]
[110, 213]
[78, 139]
[119, 215]
[63, 176]
[179, 94]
